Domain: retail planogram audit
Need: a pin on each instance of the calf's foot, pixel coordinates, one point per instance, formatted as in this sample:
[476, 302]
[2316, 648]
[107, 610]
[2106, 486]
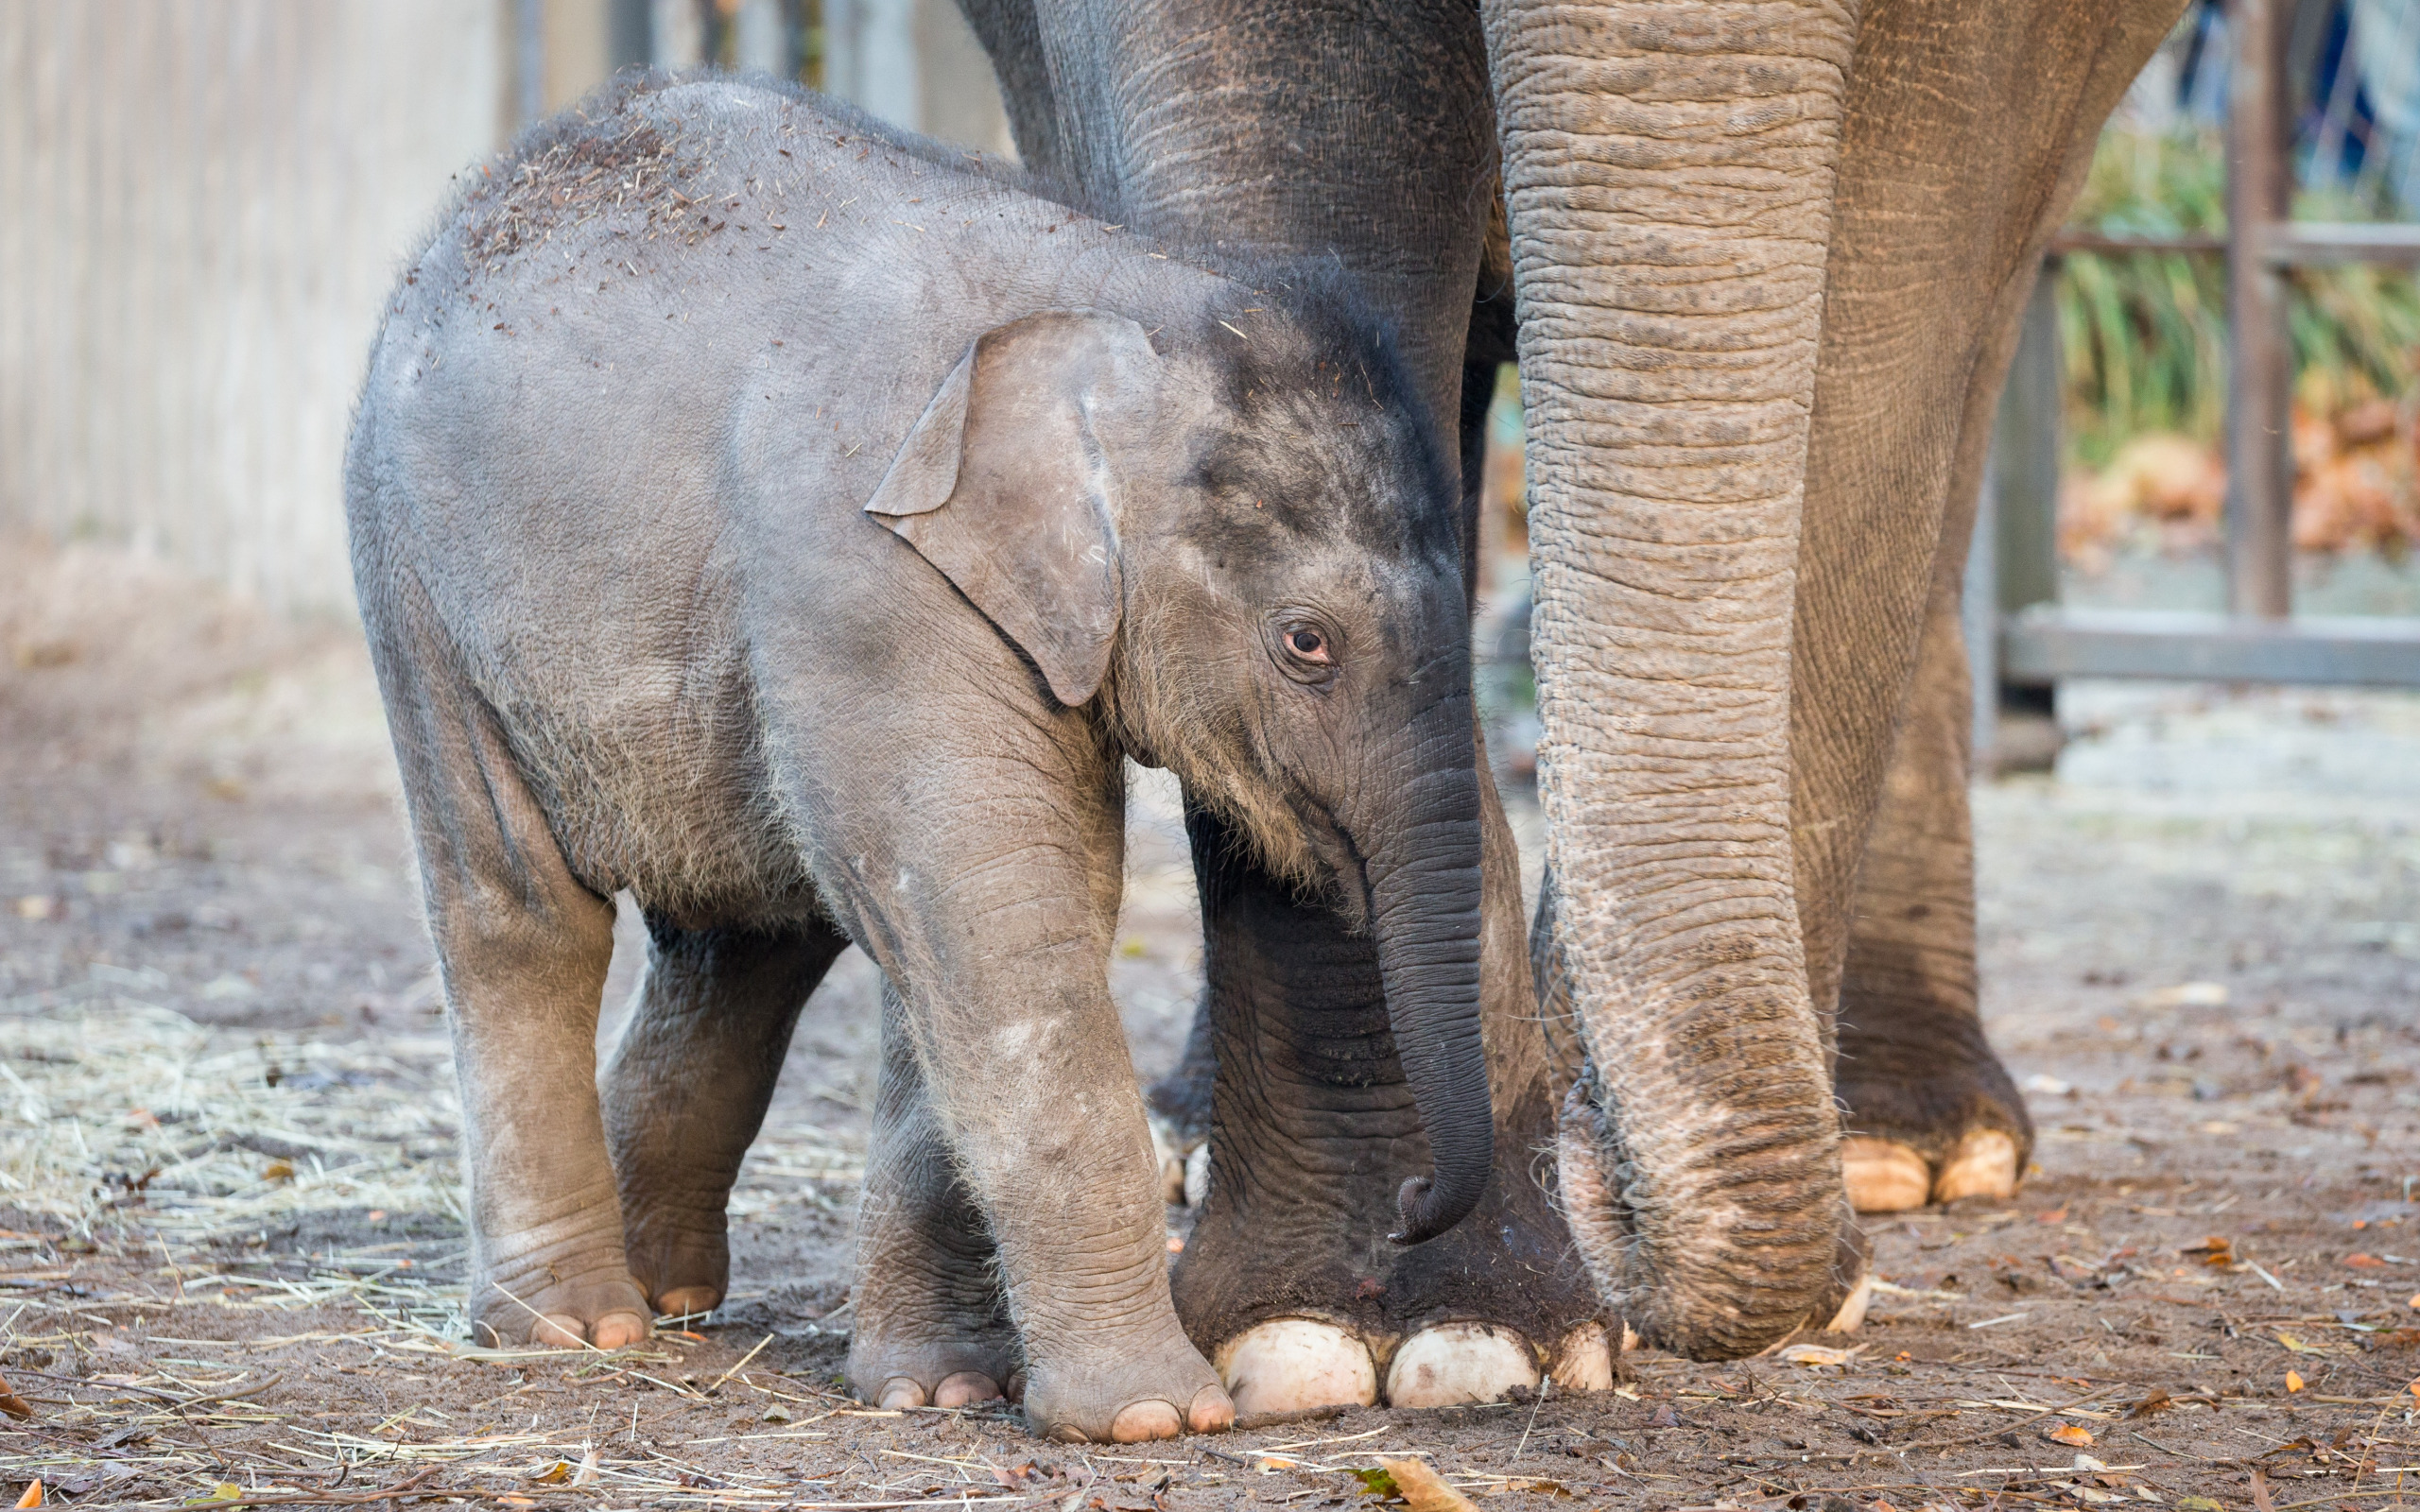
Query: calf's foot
[1143, 1392]
[565, 1287]
[688, 1087]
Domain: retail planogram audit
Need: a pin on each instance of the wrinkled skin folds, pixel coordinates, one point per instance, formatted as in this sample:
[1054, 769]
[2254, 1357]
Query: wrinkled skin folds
[1767, 260]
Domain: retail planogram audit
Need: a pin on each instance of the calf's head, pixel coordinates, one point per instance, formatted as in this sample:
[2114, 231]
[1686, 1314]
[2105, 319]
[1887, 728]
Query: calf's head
[1243, 549]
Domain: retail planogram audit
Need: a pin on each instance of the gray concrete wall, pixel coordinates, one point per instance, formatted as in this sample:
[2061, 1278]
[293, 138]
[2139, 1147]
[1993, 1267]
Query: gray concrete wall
[204, 203]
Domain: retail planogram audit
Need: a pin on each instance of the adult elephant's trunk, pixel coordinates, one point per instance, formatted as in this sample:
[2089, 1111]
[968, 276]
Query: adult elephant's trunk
[1670, 172]
[1419, 849]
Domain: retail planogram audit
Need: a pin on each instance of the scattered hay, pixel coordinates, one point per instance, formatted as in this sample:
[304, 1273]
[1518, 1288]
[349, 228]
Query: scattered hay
[132, 1116]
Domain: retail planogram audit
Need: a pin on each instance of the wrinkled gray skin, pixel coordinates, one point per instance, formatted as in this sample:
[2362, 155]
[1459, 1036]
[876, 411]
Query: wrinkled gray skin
[1360, 132]
[797, 528]
[1768, 262]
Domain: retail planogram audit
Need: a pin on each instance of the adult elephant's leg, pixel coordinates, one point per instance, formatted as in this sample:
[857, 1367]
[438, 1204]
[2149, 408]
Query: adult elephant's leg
[1180, 1100]
[1289, 1281]
[932, 1324]
[688, 1087]
[1943, 202]
[1931, 1112]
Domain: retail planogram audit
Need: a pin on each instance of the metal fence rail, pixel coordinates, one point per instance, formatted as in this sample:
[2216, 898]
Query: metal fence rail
[2021, 639]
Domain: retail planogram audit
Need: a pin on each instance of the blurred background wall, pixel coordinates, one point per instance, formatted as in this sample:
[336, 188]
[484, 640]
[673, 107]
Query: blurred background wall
[205, 202]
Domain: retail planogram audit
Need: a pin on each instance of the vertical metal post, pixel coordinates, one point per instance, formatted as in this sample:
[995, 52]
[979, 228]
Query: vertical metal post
[529, 62]
[1978, 614]
[764, 42]
[676, 33]
[2025, 466]
[2260, 354]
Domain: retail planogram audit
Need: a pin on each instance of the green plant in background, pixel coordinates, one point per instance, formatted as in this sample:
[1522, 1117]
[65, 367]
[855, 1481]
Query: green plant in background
[2144, 334]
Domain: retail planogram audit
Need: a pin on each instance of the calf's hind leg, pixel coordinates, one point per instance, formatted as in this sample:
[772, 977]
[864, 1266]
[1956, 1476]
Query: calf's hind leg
[932, 1325]
[688, 1087]
[523, 946]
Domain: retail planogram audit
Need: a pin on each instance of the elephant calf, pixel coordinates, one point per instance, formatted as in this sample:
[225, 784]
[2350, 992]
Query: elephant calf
[797, 527]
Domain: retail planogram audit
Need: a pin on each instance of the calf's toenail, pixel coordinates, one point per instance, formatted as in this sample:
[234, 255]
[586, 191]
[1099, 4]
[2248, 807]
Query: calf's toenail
[900, 1393]
[1140, 1420]
[963, 1387]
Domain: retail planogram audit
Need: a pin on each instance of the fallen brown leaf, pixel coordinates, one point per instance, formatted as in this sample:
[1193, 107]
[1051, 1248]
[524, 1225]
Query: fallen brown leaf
[2069, 1433]
[2260, 1493]
[1424, 1490]
[32, 1496]
[2157, 1401]
[2364, 1262]
[14, 1405]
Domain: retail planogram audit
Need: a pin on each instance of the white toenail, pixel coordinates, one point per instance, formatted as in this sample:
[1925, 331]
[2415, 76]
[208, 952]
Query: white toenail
[1984, 1164]
[1586, 1361]
[1883, 1176]
[1852, 1311]
[1291, 1364]
[1455, 1362]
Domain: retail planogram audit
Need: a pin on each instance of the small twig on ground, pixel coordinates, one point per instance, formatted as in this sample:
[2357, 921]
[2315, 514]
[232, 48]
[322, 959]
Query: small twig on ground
[98, 1385]
[2008, 1428]
[735, 1369]
[1545, 1383]
[231, 1396]
[409, 1486]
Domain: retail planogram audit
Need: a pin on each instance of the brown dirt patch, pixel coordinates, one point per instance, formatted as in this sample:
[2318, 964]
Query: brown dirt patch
[226, 1143]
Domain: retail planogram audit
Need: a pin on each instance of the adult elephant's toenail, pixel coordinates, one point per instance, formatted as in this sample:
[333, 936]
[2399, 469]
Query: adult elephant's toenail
[1852, 1313]
[1294, 1364]
[963, 1387]
[618, 1330]
[900, 1393]
[1585, 1360]
[1883, 1176]
[1066, 1434]
[688, 1302]
[1140, 1421]
[1456, 1363]
[1984, 1165]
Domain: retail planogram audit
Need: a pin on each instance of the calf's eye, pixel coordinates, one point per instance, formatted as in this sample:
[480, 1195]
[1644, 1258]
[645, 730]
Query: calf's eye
[1308, 645]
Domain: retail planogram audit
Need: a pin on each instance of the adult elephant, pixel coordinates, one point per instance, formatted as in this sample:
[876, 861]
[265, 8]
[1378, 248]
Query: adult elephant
[1767, 260]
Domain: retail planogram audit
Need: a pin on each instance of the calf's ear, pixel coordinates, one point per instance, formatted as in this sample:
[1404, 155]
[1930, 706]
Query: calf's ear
[1004, 486]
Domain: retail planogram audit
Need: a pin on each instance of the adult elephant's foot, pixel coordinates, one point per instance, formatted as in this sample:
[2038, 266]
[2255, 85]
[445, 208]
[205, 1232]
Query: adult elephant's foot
[1128, 1397]
[1932, 1116]
[557, 1289]
[1291, 1364]
[1886, 1175]
[1289, 1280]
[1292, 1286]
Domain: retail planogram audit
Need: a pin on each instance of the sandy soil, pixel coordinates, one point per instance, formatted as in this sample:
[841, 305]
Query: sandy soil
[230, 1254]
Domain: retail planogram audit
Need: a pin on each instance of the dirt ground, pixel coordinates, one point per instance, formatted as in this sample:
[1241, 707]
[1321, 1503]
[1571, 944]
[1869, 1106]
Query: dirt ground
[231, 1252]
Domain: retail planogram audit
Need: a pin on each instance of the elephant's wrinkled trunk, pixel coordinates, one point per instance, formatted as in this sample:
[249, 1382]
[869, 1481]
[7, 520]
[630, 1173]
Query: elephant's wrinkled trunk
[1668, 169]
[1419, 849]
